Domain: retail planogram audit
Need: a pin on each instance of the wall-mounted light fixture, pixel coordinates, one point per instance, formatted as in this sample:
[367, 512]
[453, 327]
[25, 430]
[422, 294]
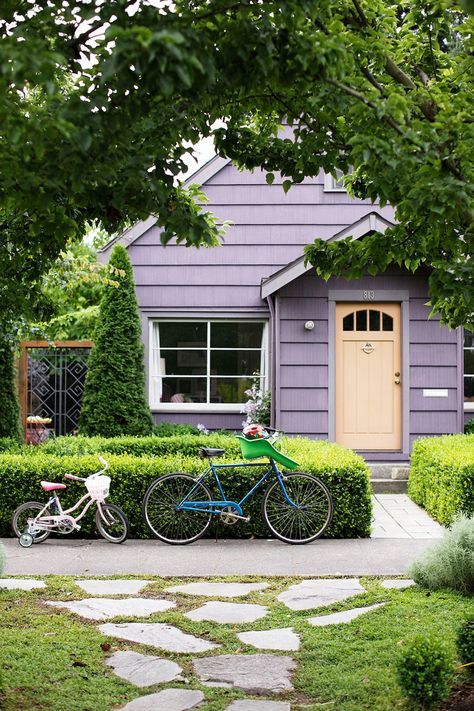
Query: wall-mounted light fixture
[309, 325]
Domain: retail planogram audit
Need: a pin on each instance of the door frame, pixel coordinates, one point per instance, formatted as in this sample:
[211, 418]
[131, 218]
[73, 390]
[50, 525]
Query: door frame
[367, 296]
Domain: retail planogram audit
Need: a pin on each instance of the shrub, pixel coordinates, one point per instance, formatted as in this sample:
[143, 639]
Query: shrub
[114, 399]
[8, 444]
[465, 645]
[469, 426]
[425, 670]
[2, 559]
[344, 472]
[442, 476]
[9, 407]
[450, 564]
[171, 429]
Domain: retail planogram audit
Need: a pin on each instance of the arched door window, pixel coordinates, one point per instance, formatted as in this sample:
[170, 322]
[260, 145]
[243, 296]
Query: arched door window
[367, 320]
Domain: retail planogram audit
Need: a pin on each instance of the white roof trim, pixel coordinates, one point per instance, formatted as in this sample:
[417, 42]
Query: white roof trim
[373, 222]
[199, 177]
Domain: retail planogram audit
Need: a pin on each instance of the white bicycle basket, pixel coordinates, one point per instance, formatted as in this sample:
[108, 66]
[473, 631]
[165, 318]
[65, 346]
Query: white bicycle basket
[98, 487]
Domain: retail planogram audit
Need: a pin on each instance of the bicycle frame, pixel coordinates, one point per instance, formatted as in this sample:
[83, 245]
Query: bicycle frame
[49, 523]
[215, 506]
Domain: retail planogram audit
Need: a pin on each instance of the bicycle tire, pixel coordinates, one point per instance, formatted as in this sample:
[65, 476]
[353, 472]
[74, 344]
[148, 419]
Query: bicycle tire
[112, 524]
[303, 525]
[167, 524]
[19, 520]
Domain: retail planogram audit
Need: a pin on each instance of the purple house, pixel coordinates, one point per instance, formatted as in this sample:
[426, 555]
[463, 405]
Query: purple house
[356, 362]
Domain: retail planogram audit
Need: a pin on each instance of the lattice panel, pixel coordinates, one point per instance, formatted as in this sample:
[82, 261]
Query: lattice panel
[55, 384]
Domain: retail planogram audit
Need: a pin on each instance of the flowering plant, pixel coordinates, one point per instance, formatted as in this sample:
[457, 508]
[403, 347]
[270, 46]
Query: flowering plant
[257, 407]
[36, 419]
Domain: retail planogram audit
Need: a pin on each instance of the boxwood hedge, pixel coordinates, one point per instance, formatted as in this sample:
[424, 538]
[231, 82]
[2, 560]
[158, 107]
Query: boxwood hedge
[442, 476]
[345, 473]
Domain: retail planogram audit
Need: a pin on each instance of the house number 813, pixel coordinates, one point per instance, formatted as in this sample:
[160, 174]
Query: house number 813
[368, 295]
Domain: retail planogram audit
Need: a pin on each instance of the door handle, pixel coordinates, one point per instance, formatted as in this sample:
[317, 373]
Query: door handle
[397, 381]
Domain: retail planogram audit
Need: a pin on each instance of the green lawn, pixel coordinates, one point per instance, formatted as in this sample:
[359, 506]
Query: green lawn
[52, 659]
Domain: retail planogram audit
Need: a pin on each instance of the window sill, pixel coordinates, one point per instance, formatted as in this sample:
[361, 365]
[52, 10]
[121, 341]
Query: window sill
[196, 407]
[469, 407]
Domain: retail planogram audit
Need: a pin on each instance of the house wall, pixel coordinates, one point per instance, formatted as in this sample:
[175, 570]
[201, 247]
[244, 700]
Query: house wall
[433, 357]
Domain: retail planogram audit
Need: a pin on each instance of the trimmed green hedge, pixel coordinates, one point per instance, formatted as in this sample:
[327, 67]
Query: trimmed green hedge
[153, 446]
[442, 476]
[345, 473]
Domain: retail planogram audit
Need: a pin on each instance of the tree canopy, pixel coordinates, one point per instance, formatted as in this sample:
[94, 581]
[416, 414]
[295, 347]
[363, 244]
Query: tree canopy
[102, 100]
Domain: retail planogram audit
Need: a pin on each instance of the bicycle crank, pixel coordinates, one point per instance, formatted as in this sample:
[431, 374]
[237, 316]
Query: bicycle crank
[229, 518]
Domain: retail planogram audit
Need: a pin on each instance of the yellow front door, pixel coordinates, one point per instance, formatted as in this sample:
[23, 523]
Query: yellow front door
[368, 376]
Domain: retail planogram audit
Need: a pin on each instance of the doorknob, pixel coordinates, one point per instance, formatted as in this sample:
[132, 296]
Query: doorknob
[397, 374]
[397, 381]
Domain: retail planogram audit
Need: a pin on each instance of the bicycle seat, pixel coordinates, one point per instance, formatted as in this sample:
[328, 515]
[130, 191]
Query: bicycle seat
[51, 486]
[206, 453]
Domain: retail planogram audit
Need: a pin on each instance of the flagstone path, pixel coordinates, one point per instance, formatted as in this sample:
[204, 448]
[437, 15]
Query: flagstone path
[265, 674]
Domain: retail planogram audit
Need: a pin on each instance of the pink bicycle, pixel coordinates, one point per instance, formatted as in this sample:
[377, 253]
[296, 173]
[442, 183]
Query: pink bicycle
[33, 522]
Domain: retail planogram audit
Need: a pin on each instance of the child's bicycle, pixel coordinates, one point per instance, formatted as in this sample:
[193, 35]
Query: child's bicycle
[297, 507]
[32, 522]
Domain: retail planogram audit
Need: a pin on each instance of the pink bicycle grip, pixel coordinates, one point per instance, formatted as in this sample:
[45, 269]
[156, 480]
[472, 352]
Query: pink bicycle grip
[71, 476]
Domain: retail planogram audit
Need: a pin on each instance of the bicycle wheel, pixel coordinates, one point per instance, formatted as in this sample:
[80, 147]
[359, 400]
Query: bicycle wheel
[305, 523]
[30, 509]
[161, 516]
[111, 523]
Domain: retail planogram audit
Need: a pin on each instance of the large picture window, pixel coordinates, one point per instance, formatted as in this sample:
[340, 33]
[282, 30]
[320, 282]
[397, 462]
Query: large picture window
[199, 364]
[469, 370]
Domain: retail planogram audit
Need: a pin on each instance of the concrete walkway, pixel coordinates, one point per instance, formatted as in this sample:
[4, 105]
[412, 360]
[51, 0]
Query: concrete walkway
[401, 532]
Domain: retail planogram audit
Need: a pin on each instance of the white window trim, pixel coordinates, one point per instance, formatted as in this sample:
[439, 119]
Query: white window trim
[191, 407]
[330, 184]
[468, 406]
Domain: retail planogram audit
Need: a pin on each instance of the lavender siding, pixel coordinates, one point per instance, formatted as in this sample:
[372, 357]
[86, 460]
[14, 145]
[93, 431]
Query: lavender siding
[269, 231]
[303, 387]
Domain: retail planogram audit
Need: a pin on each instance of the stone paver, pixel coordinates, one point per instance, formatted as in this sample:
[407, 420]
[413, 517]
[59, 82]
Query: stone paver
[338, 618]
[397, 584]
[142, 669]
[103, 608]
[20, 584]
[397, 516]
[112, 587]
[167, 700]
[227, 612]
[218, 589]
[284, 639]
[254, 673]
[316, 593]
[159, 635]
[250, 705]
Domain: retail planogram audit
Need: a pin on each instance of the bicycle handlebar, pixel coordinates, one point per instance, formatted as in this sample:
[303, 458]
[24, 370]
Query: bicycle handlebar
[73, 477]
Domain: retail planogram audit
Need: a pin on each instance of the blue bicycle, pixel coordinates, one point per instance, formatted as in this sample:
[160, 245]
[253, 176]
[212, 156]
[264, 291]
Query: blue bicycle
[297, 507]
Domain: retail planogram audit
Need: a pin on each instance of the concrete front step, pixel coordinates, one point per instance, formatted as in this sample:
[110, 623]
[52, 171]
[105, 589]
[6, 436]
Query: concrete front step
[389, 486]
[389, 477]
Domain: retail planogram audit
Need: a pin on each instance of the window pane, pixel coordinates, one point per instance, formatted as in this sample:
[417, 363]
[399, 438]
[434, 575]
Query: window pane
[361, 321]
[387, 322]
[230, 389]
[235, 362]
[177, 334]
[469, 388]
[235, 335]
[183, 362]
[469, 361]
[469, 340]
[348, 322]
[179, 390]
[374, 320]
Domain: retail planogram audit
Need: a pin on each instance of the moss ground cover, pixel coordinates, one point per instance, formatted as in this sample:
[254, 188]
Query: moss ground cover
[52, 659]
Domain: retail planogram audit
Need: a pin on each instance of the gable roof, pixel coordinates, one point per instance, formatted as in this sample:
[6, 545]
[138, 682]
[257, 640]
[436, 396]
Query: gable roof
[372, 222]
[199, 177]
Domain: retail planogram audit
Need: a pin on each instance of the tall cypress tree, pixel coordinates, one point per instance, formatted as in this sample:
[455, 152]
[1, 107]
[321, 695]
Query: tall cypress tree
[9, 408]
[114, 401]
